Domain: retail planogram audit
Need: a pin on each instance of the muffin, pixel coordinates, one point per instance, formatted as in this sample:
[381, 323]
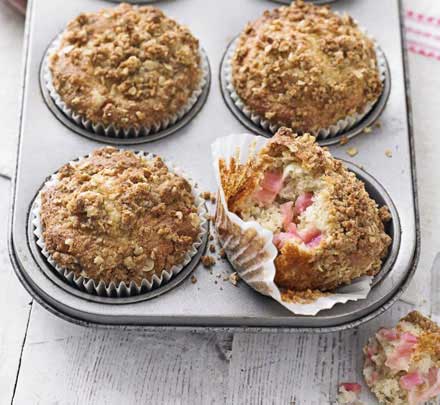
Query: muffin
[325, 227]
[126, 67]
[304, 67]
[119, 217]
[402, 364]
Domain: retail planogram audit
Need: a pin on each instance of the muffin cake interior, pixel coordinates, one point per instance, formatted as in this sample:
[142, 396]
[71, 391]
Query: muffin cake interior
[292, 204]
[402, 364]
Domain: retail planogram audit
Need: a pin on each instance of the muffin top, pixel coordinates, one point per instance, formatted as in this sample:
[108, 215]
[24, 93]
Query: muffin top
[402, 363]
[116, 216]
[327, 229]
[128, 66]
[305, 67]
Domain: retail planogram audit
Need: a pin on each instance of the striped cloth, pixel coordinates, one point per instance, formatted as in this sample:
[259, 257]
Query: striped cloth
[423, 34]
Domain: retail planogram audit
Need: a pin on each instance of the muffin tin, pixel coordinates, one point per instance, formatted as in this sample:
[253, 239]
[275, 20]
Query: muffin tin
[46, 143]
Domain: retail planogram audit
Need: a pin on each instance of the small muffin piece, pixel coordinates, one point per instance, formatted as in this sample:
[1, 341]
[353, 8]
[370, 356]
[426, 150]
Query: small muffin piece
[115, 216]
[305, 67]
[127, 66]
[327, 229]
[402, 364]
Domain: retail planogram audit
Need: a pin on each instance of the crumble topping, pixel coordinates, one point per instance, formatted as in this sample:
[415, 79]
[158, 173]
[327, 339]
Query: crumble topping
[128, 66]
[305, 67]
[115, 216]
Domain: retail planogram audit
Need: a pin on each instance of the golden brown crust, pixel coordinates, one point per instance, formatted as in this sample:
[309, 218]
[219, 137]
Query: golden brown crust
[117, 217]
[127, 66]
[355, 241]
[305, 67]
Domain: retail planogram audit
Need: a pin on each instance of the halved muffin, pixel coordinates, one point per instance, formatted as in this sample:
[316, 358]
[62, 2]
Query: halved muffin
[116, 216]
[327, 229]
[126, 67]
[304, 67]
[402, 364]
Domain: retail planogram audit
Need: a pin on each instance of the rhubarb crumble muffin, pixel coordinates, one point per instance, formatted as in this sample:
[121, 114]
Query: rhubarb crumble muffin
[126, 67]
[116, 216]
[304, 67]
[326, 228]
[402, 364]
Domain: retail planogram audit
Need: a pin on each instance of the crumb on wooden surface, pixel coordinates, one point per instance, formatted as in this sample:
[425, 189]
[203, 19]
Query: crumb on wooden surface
[222, 253]
[193, 279]
[368, 130]
[388, 153]
[212, 248]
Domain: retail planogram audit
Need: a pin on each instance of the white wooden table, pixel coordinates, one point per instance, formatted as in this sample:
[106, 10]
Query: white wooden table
[45, 360]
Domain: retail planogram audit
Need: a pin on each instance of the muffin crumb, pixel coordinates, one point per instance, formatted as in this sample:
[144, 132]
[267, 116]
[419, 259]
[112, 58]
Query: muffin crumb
[114, 217]
[352, 151]
[233, 279]
[344, 140]
[208, 261]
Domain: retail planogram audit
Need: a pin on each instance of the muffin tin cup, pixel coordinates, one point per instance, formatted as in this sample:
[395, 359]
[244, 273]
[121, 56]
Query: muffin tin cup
[249, 246]
[111, 132]
[122, 289]
[328, 135]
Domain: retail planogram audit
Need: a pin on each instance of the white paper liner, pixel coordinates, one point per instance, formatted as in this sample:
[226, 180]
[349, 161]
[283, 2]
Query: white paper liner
[322, 133]
[111, 130]
[257, 268]
[122, 289]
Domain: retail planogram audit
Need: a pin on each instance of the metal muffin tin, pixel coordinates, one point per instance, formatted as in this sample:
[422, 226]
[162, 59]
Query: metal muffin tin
[46, 143]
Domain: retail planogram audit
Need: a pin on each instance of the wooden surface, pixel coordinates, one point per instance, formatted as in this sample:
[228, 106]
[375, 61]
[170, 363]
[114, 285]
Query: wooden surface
[44, 360]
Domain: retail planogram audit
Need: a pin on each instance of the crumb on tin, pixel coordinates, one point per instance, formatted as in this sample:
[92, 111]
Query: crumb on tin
[352, 151]
[344, 140]
[208, 261]
[233, 278]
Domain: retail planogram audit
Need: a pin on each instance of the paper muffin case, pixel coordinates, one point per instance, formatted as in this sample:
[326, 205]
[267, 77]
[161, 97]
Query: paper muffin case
[122, 289]
[249, 246]
[111, 130]
[322, 133]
